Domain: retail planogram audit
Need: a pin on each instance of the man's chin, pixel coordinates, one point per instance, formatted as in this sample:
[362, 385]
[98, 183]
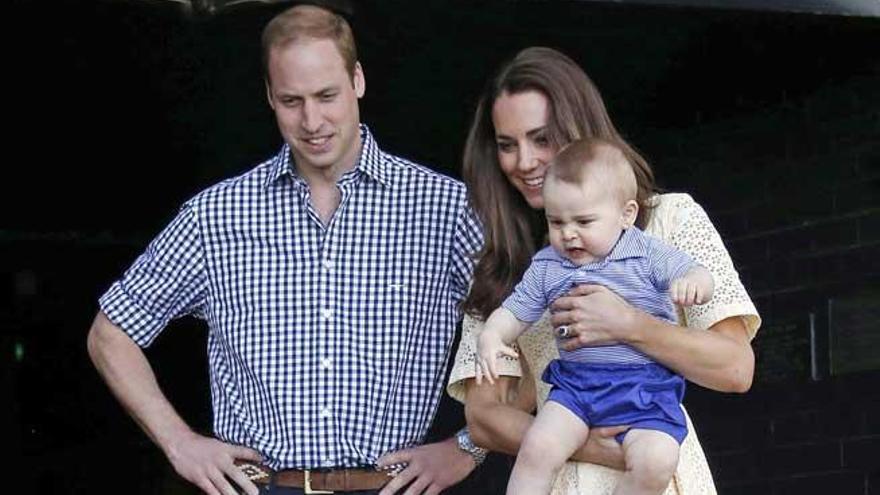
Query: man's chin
[317, 161]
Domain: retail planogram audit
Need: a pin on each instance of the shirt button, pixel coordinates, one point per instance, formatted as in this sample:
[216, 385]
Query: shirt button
[325, 363]
[328, 264]
[328, 461]
[325, 413]
[327, 313]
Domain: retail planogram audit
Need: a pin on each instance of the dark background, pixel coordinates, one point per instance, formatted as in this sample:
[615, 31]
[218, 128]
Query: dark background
[119, 111]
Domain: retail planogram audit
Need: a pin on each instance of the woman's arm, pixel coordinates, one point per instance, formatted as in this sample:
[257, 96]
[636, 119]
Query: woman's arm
[499, 415]
[498, 419]
[492, 410]
[720, 358]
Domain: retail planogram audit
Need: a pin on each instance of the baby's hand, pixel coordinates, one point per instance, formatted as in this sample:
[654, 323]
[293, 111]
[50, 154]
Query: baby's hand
[695, 287]
[489, 346]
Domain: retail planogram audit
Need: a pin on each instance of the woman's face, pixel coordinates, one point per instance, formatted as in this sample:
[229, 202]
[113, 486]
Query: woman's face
[522, 141]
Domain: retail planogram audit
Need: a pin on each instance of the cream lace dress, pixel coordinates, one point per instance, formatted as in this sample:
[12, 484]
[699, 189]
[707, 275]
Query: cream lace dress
[681, 222]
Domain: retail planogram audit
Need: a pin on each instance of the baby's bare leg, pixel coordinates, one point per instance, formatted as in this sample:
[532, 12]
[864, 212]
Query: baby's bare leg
[651, 458]
[553, 437]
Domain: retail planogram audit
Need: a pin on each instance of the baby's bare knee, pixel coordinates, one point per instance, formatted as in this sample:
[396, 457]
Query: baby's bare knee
[534, 449]
[653, 461]
[654, 473]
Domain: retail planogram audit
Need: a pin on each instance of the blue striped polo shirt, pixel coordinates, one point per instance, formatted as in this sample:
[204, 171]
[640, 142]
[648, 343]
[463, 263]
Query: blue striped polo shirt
[639, 269]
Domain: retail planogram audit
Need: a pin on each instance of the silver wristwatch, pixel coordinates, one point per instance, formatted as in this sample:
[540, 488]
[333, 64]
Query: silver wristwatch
[466, 444]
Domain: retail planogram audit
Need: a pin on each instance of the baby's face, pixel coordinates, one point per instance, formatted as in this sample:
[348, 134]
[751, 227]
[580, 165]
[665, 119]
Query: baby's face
[585, 222]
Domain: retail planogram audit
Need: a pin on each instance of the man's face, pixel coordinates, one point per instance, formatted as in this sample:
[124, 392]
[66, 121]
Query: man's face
[316, 105]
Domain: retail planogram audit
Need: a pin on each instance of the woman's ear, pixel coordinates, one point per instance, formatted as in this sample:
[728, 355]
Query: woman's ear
[630, 213]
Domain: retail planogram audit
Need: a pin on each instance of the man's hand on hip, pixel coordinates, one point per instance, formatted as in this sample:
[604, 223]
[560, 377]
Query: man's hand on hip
[430, 468]
[208, 463]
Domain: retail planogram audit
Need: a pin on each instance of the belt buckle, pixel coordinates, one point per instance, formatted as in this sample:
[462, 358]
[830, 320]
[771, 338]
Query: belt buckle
[307, 484]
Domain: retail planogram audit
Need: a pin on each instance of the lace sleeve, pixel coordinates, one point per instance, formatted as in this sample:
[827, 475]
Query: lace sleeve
[465, 363]
[691, 230]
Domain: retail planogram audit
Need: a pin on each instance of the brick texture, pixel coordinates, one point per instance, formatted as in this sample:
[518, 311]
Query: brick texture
[795, 193]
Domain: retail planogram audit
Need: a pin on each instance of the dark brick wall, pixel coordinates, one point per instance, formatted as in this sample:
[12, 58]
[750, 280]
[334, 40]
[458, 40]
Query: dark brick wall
[794, 190]
[794, 438]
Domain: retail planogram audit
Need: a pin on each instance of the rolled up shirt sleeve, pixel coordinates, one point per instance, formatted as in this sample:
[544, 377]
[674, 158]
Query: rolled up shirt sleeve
[167, 281]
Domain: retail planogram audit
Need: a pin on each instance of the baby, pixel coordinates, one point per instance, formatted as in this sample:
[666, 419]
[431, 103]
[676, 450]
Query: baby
[590, 204]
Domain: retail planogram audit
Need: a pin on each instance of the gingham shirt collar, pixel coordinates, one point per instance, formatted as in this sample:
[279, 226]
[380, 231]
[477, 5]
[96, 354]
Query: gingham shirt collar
[371, 163]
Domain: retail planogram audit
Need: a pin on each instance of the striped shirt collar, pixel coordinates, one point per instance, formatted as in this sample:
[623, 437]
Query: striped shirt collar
[631, 244]
[371, 163]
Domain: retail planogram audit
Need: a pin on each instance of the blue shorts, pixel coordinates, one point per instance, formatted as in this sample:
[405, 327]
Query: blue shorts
[644, 396]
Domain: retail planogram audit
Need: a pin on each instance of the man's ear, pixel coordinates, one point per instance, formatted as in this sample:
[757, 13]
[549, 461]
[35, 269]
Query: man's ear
[358, 80]
[630, 213]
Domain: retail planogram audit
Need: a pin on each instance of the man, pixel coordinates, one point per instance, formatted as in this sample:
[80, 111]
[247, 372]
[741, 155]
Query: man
[329, 277]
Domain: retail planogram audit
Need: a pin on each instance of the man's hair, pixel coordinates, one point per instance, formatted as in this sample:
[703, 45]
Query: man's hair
[595, 162]
[309, 22]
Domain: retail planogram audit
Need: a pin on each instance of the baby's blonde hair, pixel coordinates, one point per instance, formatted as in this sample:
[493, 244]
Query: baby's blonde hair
[595, 162]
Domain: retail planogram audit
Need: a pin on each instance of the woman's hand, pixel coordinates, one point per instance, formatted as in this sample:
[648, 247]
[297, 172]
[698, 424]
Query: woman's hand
[602, 448]
[595, 315]
[718, 358]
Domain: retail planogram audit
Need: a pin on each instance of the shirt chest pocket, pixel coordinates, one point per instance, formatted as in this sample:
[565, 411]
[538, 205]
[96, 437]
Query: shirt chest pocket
[401, 292]
[396, 296]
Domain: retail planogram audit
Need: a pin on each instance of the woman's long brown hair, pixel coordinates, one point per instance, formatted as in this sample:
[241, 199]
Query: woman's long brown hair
[512, 228]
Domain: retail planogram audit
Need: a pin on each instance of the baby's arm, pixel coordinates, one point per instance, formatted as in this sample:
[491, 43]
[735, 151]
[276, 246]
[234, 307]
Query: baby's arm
[694, 287]
[500, 330]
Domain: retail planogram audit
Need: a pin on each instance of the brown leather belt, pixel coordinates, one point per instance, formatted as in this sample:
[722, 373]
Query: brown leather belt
[324, 481]
[339, 480]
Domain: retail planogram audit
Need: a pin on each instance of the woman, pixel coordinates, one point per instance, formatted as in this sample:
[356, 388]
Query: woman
[538, 102]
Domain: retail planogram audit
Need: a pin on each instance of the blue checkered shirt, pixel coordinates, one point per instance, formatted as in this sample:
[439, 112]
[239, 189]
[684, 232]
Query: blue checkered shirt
[327, 345]
[639, 269]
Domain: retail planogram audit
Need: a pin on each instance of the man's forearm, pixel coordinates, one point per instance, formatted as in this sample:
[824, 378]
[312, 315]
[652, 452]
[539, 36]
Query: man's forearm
[130, 377]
